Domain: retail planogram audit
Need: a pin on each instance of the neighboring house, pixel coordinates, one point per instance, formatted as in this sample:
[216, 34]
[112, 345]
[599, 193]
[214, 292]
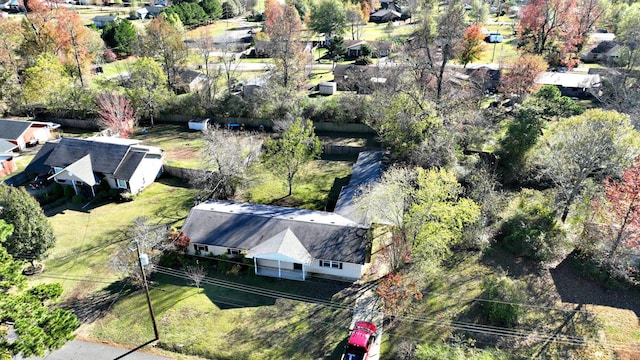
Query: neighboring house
[360, 78]
[378, 48]
[250, 86]
[354, 48]
[485, 77]
[283, 242]
[7, 146]
[191, 81]
[101, 21]
[572, 84]
[25, 133]
[142, 13]
[84, 163]
[7, 165]
[605, 51]
[385, 15]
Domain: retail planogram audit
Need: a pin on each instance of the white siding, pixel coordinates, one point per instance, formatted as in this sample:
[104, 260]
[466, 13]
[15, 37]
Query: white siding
[145, 174]
[212, 250]
[348, 271]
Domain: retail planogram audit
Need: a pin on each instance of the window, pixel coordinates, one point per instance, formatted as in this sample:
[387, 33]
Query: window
[122, 184]
[234, 252]
[200, 247]
[297, 266]
[331, 264]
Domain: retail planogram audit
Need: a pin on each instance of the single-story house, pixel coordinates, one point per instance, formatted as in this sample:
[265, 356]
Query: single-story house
[83, 163]
[24, 133]
[385, 15]
[7, 164]
[191, 81]
[485, 77]
[360, 78]
[378, 48]
[101, 21]
[572, 84]
[354, 47]
[250, 86]
[604, 51]
[149, 11]
[283, 242]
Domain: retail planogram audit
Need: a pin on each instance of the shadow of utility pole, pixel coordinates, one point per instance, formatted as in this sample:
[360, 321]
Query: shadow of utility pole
[134, 350]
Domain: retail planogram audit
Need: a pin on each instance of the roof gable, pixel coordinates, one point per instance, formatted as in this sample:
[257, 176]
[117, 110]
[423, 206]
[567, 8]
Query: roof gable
[6, 146]
[79, 170]
[284, 243]
[129, 165]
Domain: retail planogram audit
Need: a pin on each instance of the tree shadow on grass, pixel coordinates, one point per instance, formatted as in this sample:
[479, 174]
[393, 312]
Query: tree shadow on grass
[573, 288]
[98, 304]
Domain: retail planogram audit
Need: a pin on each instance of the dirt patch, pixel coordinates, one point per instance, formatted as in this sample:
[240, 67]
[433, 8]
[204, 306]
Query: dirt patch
[181, 153]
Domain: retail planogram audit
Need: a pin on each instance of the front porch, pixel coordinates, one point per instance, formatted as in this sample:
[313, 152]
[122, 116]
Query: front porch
[280, 273]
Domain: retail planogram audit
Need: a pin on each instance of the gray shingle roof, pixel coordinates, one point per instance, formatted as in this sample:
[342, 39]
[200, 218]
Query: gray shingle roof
[37, 166]
[366, 170]
[12, 129]
[324, 235]
[105, 157]
[6, 146]
[129, 165]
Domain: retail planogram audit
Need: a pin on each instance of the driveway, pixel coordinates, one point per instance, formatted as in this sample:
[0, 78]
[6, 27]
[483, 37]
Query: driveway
[84, 350]
[369, 308]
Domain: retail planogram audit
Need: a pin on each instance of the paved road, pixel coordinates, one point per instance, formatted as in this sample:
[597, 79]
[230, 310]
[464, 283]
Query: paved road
[83, 350]
[369, 308]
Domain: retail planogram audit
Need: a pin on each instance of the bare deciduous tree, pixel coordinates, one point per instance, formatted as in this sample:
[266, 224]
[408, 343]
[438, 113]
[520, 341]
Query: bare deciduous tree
[226, 159]
[152, 240]
[195, 273]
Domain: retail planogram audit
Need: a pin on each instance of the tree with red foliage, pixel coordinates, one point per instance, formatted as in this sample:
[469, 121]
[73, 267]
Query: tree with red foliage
[179, 239]
[472, 44]
[621, 211]
[397, 291]
[116, 113]
[551, 28]
[519, 74]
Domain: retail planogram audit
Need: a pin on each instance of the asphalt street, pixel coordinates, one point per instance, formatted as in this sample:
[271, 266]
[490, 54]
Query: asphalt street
[84, 350]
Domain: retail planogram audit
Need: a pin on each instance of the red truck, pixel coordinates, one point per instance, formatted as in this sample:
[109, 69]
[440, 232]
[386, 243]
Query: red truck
[362, 337]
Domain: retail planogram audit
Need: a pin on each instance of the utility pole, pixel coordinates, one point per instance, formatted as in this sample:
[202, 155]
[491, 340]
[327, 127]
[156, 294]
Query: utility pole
[146, 290]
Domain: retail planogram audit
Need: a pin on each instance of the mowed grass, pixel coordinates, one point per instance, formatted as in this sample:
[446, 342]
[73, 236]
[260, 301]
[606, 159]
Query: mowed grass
[88, 238]
[218, 323]
[310, 190]
[181, 145]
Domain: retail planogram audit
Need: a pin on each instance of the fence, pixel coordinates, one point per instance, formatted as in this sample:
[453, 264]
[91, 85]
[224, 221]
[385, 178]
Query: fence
[256, 123]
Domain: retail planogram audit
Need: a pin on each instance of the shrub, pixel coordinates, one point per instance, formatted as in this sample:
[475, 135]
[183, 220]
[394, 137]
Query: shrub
[504, 295]
[78, 199]
[532, 231]
[58, 190]
[46, 291]
[68, 192]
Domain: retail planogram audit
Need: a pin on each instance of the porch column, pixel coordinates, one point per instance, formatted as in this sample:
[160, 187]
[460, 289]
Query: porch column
[73, 182]
[255, 265]
[279, 270]
[303, 273]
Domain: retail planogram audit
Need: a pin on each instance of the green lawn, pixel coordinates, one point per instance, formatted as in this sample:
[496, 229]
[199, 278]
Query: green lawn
[310, 191]
[258, 327]
[88, 238]
[181, 146]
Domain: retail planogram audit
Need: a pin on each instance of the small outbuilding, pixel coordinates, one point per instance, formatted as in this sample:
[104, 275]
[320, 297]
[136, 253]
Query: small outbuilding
[327, 88]
[199, 124]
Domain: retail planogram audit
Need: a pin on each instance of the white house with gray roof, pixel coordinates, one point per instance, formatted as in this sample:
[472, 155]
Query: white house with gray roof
[84, 163]
[287, 242]
[283, 242]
